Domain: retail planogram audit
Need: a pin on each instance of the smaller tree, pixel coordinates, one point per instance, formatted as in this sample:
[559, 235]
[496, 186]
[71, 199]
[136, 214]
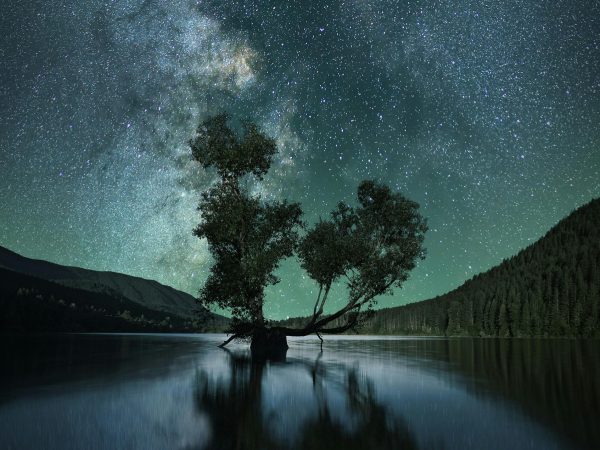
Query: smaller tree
[373, 246]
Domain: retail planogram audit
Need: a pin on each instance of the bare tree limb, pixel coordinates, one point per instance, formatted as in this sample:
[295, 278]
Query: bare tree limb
[317, 302]
[319, 326]
[324, 299]
[231, 338]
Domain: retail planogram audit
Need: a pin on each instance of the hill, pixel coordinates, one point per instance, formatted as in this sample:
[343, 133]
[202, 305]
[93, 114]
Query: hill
[551, 288]
[136, 300]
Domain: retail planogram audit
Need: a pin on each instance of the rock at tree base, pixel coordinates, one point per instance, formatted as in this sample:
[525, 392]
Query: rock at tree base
[268, 345]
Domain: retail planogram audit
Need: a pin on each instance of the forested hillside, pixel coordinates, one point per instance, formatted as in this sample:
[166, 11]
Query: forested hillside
[146, 293]
[551, 288]
[37, 295]
[29, 304]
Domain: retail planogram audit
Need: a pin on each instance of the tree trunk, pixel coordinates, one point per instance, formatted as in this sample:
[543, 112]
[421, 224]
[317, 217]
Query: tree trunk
[268, 345]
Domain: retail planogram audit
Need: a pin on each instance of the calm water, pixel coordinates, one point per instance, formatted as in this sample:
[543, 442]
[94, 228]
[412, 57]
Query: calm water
[182, 392]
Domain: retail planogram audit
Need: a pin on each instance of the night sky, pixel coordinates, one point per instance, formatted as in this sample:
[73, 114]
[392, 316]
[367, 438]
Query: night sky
[485, 112]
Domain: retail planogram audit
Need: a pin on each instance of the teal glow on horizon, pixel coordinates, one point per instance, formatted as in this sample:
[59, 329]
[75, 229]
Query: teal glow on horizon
[485, 114]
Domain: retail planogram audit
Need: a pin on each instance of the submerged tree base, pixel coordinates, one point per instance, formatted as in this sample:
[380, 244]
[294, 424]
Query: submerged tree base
[268, 344]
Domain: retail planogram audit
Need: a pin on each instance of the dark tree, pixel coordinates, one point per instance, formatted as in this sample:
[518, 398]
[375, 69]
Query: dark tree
[372, 246]
[248, 237]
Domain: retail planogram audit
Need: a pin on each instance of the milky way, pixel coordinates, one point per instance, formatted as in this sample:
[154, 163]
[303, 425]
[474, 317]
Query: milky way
[486, 113]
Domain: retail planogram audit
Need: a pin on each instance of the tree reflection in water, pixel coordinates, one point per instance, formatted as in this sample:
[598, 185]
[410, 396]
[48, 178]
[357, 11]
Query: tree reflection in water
[234, 408]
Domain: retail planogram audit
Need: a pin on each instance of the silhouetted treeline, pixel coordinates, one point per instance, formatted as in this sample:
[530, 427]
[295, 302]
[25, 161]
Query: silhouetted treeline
[551, 288]
[29, 304]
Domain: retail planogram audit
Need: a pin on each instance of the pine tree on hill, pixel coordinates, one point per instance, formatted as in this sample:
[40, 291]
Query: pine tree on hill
[551, 288]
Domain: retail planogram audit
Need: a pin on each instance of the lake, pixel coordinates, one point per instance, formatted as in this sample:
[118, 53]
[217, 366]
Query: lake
[119, 391]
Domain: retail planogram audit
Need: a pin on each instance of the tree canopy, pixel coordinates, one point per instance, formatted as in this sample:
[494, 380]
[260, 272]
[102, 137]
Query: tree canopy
[372, 246]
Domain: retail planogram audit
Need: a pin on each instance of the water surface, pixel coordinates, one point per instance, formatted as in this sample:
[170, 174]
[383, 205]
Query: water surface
[182, 392]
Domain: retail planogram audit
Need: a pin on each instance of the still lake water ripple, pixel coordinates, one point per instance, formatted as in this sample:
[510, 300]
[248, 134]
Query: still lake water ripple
[119, 391]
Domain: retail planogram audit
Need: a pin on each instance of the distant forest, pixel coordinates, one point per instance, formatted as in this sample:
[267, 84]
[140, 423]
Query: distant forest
[551, 288]
[29, 304]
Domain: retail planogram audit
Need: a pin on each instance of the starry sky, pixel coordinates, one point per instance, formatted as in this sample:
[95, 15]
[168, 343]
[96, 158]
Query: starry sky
[485, 112]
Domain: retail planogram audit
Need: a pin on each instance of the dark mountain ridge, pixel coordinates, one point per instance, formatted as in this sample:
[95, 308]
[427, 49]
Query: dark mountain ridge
[120, 294]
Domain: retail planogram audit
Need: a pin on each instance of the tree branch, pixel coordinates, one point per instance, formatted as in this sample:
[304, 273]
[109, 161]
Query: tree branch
[231, 338]
[324, 299]
[318, 312]
[342, 328]
[318, 326]
[317, 302]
